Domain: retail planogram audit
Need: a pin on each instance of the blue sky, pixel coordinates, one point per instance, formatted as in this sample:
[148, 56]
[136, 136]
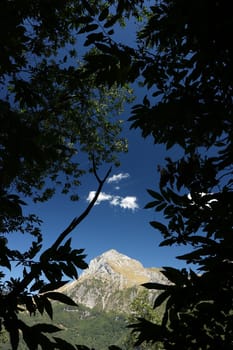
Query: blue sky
[118, 220]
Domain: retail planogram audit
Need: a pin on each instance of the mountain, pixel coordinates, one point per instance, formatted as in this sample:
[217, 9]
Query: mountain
[104, 293]
[111, 282]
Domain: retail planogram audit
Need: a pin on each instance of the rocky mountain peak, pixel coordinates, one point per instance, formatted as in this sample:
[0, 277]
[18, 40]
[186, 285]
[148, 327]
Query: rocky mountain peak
[112, 263]
[112, 281]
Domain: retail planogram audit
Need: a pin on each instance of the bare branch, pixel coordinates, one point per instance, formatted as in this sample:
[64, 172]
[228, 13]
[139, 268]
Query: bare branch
[76, 221]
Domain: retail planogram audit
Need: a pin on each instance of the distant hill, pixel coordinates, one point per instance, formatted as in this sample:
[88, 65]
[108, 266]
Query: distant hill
[111, 282]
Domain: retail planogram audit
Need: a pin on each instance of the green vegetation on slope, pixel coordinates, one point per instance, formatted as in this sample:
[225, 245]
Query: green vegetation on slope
[83, 326]
[95, 328]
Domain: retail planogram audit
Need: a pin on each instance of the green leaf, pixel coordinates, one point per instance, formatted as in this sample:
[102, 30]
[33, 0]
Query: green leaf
[168, 241]
[14, 335]
[93, 38]
[4, 261]
[196, 254]
[148, 331]
[85, 19]
[161, 298]
[161, 207]
[90, 7]
[52, 286]
[82, 347]
[66, 246]
[48, 306]
[155, 195]
[146, 101]
[103, 47]
[31, 341]
[45, 328]
[70, 270]
[151, 204]
[174, 275]
[39, 303]
[110, 22]
[104, 14]
[165, 195]
[63, 345]
[29, 302]
[158, 226]
[153, 285]
[60, 297]
[88, 28]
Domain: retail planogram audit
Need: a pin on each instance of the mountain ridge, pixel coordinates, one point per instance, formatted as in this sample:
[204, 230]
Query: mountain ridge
[112, 263]
[112, 281]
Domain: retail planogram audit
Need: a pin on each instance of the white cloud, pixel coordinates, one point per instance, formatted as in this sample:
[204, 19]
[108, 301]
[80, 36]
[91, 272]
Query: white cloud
[116, 200]
[128, 202]
[102, 197]
[117, 178]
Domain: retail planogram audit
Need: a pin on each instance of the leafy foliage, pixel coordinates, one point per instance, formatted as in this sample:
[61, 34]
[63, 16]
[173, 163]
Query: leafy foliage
[142, 310]
[51, 108]
[188, 64]
[35, 290]
[51, 111]
[184, 58]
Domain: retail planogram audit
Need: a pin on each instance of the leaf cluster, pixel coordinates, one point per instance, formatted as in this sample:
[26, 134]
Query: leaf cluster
[41, 278]
[52, 109]
[33, 294]
[184, 58]
[188, 67]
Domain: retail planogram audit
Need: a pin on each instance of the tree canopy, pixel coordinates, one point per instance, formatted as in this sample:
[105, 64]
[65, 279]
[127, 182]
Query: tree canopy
[51, 111]
[190, 52]
[183, 57]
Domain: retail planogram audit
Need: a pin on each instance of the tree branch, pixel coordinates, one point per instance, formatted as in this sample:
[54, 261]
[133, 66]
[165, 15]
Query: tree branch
[28, 278]
[76, 221]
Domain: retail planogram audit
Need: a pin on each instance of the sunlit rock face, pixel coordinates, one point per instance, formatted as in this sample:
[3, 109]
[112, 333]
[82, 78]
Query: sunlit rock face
[112, 281]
